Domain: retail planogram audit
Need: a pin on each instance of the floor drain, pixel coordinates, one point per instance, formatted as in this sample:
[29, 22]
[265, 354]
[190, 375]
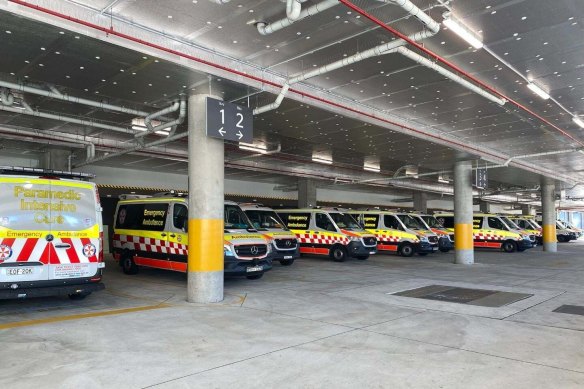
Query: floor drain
[571, 309]
[451, 294]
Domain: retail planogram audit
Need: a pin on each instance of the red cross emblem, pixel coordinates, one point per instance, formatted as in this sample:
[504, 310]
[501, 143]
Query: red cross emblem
[89, 250]
[5, 252]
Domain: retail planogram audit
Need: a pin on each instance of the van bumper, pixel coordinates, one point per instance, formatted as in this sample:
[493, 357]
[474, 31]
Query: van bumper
[357, 249]
[47, 288]
[524, 244]
[427, 247]
[445, 244]
[285, 255]
[238, 267]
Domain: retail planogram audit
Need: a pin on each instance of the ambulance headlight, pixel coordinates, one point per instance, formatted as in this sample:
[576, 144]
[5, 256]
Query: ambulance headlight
[227, 251]
[424, 239]
[354, 239]
[270, 247]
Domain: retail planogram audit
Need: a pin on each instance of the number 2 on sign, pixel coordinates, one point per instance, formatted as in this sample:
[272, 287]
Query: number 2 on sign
[239, 125]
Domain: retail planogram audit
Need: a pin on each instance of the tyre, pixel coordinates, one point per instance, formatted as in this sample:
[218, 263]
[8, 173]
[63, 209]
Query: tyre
[509, 246]
[128, 264]
[362, 257]
[406, 250]
[422, 254]
[78, 296]
[444, 250]
[255, 276]
[338, 254]
[286, 262]
[562, 239]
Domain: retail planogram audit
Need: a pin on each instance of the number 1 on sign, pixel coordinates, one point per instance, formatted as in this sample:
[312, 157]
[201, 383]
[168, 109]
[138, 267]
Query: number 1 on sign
[222, 116]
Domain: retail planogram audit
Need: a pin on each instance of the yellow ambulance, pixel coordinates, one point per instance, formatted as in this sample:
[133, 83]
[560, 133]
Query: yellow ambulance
[490, 231]
[152, 232]
[393, 235]
[51, 234]
[265, 220]
[529, 224]
[329, 231]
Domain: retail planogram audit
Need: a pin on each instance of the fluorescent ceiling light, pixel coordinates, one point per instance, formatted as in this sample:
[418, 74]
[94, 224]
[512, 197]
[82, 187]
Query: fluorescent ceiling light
[578, 121]
[322, 160]
[538, 91]
[138, 128]
[261, 149]
[374, 169]
[463, 32]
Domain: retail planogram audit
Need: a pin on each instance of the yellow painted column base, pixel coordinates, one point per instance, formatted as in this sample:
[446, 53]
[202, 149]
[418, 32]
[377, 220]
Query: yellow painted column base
[205, 245]
[549, 233]
[463, 237]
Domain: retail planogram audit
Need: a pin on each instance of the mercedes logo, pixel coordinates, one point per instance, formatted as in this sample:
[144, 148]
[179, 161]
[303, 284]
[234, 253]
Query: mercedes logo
[254, 250]
[288, 243]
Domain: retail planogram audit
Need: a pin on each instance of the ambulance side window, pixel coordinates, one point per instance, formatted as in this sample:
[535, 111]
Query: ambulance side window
[391, 221]
[496, 223]
[180, 217]
[322, 221]
[146, 217]
[446, 221]
[477, 223]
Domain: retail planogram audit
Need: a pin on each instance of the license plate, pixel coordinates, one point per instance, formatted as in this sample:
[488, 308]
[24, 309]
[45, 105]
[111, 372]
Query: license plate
[254, 268]
[20, 271]
[288, 257]
[371, 252]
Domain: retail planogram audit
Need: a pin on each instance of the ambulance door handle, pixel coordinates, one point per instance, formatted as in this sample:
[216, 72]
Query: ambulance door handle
[163, 234]
[172, 235]
[63, 246]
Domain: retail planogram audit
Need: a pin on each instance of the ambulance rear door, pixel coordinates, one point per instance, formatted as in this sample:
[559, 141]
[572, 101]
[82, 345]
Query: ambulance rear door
[24, 237]
[74, 220]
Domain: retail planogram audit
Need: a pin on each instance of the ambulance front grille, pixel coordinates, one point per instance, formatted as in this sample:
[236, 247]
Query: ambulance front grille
[370, 241]
[286, 244]
[251, 250]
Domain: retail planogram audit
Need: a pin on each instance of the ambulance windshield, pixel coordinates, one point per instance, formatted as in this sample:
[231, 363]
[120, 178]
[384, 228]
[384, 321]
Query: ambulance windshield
[235, 219]
[431, 221]
[410, 222]
[264, 219]
[345, 221]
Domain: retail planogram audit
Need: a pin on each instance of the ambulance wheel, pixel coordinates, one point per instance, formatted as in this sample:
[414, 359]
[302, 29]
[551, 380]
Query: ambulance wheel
[444, 250]
[406, 250]
[362, 257]
[286, 262]
[78, 296]
[128, 264]
[509, 246]
[255, 276]
[338, 253]
[422, 254]
[563, 239]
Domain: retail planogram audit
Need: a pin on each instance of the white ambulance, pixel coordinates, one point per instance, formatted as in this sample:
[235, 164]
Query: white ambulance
[50, 234]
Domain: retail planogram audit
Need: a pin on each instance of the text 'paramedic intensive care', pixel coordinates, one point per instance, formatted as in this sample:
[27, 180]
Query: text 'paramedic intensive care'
[35, 205]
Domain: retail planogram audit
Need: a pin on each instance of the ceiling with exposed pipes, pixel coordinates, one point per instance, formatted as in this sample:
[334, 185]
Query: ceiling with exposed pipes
[388, 111]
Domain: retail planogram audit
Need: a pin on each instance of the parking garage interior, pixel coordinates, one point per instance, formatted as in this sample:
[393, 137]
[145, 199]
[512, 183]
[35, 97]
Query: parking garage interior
[469, 109]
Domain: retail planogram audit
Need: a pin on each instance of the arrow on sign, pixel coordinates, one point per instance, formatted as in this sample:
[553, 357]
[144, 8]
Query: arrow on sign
[222, 131]
[239, 134]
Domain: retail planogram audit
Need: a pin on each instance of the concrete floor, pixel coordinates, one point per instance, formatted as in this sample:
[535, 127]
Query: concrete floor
[316, 324]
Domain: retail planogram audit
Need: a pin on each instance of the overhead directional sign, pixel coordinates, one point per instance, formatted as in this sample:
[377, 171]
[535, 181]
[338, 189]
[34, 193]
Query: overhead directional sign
[229, 121]
[481, 180]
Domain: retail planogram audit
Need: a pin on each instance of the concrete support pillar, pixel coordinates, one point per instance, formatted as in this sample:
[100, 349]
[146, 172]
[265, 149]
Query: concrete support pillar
[206, 204]
[463, 235]
[306, 193]
[421, 201]
[484, 207]
[548, 212]
[56, 160]
[527, 210]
